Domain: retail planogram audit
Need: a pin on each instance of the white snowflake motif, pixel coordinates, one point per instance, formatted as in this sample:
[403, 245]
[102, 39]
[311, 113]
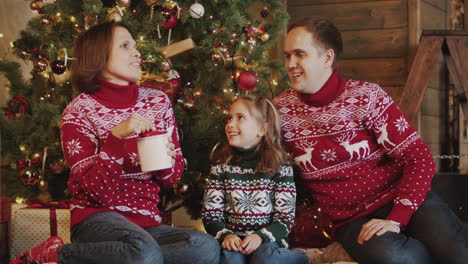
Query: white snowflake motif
[328, 155]
[74, 147]
[134, 159]
[401, 124]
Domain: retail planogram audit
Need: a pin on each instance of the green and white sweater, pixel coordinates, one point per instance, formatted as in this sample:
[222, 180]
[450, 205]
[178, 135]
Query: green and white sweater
[239, 200]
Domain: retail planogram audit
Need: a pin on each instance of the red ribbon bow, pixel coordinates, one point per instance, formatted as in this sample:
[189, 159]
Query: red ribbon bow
[38, 204]
[25, 163]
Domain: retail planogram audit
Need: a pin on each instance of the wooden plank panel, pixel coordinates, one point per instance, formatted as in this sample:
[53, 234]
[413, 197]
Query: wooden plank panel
[358, 16]
[433, 18]
[385, 72]
[417, 82]
[440, 4]
[375, 43]
[321, 2]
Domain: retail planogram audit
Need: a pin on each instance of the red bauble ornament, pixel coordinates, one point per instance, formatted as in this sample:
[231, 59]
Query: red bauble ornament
[171, 22]
[247, 80]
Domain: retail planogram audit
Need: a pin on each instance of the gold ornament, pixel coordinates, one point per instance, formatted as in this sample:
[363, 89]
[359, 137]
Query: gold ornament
[151, 2]
[44, 196]
[45, 21]
[42, 185]
[169, 4]
[40, 64]
[90, 20]
[25, 54]
[166, 65]
[114, 15]
[216, 57]
[34, 5]
[264, 37]
[124, 3]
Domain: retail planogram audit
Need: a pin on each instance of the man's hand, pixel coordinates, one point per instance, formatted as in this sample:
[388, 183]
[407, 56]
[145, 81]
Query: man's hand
[376, 227]
[250, 244]
[232, 242]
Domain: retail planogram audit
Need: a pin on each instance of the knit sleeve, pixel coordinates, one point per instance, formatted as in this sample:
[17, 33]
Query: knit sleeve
[95, 166]
[284, 203]
[400, 141]
[168, 177]
[214, 205]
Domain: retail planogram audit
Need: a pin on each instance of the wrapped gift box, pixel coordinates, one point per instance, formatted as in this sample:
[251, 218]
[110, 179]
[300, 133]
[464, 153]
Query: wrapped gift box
[5, 209]
[30, 227]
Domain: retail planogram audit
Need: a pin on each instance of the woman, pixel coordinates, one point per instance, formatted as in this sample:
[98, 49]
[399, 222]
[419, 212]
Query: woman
[114, 214]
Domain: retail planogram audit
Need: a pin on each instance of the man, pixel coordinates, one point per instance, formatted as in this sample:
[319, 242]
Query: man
[361, 159]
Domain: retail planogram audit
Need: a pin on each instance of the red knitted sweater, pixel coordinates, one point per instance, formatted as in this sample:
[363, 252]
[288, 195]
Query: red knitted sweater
[355, 149]
[105, 171]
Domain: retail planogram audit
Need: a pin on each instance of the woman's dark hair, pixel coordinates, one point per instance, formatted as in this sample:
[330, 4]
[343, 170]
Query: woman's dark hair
[91, 53]
[324, 32]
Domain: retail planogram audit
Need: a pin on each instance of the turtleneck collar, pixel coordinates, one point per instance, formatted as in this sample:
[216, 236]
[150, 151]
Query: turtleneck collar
[115, 95]
[247, 158]
[329, 91]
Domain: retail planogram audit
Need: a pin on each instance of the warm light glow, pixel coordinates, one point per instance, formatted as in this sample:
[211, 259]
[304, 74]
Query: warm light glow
[1, 35]
[72, 19]
[45, 75]
[12, 45]
[274, 82]
[20, 200]
[58, 14]
[22, 148]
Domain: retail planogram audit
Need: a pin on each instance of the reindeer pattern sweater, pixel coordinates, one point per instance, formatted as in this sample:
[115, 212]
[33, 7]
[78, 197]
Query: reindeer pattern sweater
[105, 170]
[355, 149]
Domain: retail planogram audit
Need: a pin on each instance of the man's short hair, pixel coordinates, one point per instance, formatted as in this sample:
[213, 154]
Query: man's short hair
[324, 32]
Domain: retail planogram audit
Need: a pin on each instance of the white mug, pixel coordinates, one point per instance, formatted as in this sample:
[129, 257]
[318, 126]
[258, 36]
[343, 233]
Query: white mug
[152, 149]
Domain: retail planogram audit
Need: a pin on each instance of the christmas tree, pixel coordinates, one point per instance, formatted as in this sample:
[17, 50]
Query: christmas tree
[201, 53]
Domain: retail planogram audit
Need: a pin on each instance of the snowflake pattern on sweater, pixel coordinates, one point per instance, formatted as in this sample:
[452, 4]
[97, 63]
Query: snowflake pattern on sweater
[357, 152]
[105, 171]
[242, 201]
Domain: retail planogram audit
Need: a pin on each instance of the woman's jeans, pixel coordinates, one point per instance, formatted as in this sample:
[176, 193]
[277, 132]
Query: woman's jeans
[433, 235]
[108, 237]
[268, 253]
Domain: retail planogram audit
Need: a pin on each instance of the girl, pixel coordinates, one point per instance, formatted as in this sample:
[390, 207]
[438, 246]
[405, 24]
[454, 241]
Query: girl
[114, 213]
[250, 199]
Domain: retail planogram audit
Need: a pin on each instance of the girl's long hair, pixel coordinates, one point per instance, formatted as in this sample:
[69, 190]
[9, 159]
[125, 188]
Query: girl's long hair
[273, 154]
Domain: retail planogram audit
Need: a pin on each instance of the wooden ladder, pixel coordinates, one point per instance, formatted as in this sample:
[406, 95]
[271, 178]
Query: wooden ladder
[454, 45]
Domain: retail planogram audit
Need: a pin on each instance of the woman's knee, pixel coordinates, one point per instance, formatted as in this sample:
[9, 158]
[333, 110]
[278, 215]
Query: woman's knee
[144, 252]
[206, 246]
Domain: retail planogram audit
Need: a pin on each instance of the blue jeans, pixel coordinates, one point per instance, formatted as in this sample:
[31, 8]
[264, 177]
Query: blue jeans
[433, 235]
[268, 253]
[108, 237]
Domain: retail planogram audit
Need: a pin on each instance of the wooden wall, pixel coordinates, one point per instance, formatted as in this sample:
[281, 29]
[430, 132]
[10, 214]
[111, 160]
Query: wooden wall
[380, 40]
[434, 108]
[375, 36]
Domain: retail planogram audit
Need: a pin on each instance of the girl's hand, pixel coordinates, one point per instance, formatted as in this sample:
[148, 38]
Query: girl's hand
[376, 227]
[250, 244]
[134, 124]
[232, 242]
